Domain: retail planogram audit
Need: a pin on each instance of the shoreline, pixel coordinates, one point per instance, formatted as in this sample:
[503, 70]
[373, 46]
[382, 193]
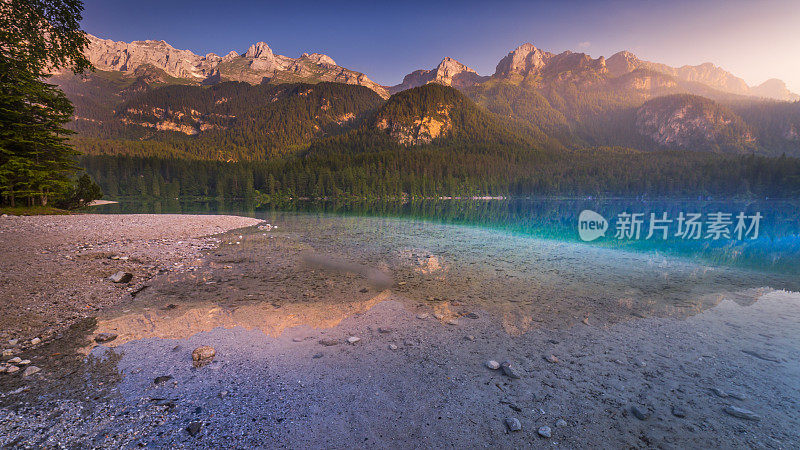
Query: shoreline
[286, 371]
[56, 269]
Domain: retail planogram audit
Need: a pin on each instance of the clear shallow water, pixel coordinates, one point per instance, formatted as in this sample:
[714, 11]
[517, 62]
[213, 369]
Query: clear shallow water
[320, 267]
[775, 250]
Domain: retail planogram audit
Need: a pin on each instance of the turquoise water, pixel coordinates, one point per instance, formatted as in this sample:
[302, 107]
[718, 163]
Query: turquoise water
[775, 249]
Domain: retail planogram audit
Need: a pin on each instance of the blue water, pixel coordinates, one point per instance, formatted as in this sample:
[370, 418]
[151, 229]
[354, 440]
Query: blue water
[774, 249]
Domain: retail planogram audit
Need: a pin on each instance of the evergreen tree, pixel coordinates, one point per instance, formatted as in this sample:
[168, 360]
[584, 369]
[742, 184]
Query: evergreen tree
[36, 37]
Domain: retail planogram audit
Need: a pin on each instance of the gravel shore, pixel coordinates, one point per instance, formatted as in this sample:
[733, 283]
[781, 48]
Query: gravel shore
[54, 269]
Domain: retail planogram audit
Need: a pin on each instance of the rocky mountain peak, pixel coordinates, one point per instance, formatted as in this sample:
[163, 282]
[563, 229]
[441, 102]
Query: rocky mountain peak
[259, 50]
[523, 60]
[622, 62]
[775, 89]
[449, 72]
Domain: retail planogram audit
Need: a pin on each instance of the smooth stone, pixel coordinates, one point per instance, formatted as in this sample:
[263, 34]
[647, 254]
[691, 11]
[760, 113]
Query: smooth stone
[392, 347]
[737, 396]
[13, 342]
[545, 432]
[551, 359]
[297, 339]
[469, 337]
[677, 411]
[11, 369]
[7, 352]
[24, 362]
[741, 413]
[509, 370]
[105, 337]
[513, 424]
[492, 364]
[561, 423]
[353, 339]
[15, 360]
[36, 341]
[121, 277]
[317, 356]
[719, 392]
[641, 414]
[31, 370]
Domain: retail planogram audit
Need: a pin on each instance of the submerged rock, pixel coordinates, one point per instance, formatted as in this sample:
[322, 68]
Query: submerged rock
[640, 413]
[513, 424]
[31, 370]
[194, 428]
[741, 413]
[510, 371]
[162, 379]
[679, 412]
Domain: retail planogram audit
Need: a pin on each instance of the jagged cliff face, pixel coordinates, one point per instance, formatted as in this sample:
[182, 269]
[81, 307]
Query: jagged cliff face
[254, 66]
[449, 72]
[693, 123]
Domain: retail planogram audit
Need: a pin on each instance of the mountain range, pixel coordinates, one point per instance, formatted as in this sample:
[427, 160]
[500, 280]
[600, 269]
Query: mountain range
[257, 104]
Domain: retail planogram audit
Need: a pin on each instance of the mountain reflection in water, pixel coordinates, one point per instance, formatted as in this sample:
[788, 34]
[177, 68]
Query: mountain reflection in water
[263, 280]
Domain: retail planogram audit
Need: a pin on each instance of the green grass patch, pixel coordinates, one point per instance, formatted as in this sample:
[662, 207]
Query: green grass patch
[32, 211]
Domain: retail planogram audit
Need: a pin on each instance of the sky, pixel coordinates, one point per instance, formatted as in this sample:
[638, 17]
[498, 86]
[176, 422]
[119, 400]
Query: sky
[755, 40]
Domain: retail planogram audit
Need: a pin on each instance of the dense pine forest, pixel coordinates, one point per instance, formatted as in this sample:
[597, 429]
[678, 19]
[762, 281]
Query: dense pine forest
[394, 172]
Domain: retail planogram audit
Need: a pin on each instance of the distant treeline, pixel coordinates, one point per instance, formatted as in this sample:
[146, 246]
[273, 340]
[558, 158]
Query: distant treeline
[391, 171]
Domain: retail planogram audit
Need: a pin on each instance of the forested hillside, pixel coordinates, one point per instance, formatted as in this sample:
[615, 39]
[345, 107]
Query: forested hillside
[556, 133]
